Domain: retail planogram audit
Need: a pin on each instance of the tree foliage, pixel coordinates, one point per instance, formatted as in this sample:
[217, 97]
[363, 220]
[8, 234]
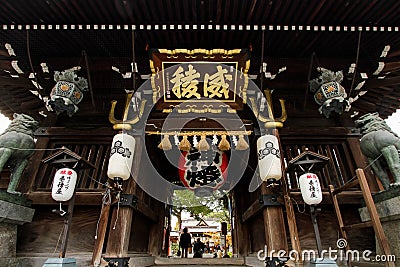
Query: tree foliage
[198, 208]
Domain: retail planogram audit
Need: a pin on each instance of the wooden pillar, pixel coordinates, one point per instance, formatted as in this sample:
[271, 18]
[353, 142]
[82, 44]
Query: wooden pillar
[290, 215]
[291, 219]
[157, 231]
[120, 230]
[373, 213]
[167, 231]
[241, 231]
[67, 226]
[361, 162]
[274, 224]
[100, 235]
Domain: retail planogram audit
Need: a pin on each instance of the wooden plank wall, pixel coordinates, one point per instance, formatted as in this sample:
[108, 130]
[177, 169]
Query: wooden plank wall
[41, 235]
[360, 239]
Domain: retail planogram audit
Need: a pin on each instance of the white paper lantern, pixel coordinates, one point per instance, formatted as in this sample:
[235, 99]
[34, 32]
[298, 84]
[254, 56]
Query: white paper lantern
[269, 158]
[120, 164]
[310, 188]
[64, 184]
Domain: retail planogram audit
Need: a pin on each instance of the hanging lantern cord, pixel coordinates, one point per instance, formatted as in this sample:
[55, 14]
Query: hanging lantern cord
[62, 212]
[272, 183]
[118, 183]
[116, 219]
[105, 202]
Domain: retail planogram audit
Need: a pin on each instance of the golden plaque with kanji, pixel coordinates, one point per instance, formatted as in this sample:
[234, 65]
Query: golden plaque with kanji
[199, 75]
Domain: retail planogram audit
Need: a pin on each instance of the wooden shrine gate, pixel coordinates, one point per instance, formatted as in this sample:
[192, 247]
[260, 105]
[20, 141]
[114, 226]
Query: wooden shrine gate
[148, 216]
[138, 227]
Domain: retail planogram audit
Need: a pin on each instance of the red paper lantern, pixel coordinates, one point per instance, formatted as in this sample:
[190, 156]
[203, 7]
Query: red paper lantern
[203, 172]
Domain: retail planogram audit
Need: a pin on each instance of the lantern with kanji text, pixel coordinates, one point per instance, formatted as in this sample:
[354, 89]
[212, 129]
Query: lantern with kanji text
[310, 188]
[64, 184]
[203, 171]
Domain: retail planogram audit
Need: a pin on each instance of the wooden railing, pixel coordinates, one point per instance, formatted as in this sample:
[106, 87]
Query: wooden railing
[92, 144]
[339, 169]
[96, 152]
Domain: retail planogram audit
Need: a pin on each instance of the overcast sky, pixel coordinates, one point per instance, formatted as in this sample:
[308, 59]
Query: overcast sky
[3, 122]
[393, 122]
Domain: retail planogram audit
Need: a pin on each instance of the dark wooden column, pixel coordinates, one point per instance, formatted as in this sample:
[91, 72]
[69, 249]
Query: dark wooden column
[291, 218]
[241, 231]
[157, 231]
[120, 230]
[361, 162]
[274, 224]
[100, 235]
[290, 214]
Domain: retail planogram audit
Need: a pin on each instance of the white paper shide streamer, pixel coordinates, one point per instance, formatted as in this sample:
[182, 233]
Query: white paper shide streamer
[120, 164]
[269, 158]
[64, 184]
[310, 188]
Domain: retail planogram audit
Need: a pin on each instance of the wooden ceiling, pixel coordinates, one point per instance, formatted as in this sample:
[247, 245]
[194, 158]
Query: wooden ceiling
[338, 33]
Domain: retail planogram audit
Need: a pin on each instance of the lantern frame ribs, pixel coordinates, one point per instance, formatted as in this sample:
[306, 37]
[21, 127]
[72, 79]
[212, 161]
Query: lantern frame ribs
[66, 158]
[60, 159]
[307, 161]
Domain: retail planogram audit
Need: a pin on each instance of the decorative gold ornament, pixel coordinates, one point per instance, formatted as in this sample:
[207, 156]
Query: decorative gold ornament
[165, 143]
[224, 144]
[270, 122]
[242, 144]
[184, 145]
[203, 144]
[125, 124]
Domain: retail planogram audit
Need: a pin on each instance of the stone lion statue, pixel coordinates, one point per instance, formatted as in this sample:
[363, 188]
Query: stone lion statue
[16, 145]
[379, 140]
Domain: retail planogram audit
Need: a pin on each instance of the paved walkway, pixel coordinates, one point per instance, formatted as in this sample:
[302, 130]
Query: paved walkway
[207, 260]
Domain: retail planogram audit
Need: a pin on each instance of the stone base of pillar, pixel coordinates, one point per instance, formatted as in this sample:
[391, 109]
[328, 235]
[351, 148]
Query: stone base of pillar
[10, 262]
[60, 262]
[14, 211]
[388, 207]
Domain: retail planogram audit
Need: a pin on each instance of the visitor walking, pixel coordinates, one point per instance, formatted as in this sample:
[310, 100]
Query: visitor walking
[185, 242]
[198, 249]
